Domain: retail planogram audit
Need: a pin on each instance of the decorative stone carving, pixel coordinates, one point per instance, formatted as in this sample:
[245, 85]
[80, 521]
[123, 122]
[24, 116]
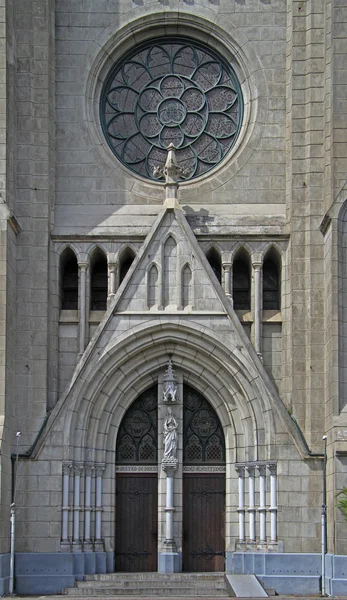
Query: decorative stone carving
[170, 442]
[171, 170]
[170, 387]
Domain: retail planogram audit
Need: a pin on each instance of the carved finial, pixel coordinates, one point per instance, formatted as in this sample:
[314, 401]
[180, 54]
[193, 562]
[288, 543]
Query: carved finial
[172, 172]
[170, 388]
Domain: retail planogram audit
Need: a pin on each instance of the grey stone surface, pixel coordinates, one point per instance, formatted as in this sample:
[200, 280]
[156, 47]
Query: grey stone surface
[282, 189]
[169, 562]
[246, 586]
[50, 573]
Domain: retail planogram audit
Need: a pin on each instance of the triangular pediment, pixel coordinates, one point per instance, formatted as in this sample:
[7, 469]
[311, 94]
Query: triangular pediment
[172, 273]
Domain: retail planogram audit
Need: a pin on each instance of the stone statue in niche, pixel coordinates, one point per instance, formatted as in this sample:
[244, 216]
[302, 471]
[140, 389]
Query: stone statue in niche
[170, 388]
[170, 437]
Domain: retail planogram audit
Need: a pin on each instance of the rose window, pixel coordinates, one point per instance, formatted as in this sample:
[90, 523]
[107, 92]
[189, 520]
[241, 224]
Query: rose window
[171, 93]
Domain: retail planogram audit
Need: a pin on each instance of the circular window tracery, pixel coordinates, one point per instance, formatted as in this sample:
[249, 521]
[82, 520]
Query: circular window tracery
[171, 92]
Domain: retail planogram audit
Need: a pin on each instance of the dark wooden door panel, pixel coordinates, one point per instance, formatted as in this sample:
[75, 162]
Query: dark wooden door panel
[203, 522]
[136, 522]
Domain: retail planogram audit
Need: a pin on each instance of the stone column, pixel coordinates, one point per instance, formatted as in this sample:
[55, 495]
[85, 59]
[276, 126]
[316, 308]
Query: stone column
[83, 308]
[228, 279]
[170, 415]
[251, 506]
[87, 545]
[241, 544]
[76, 544]
[169, 508]
[257, 307]
[67, 467]
[99, 471]
[273, 506]
[112, 280]
[262, 507]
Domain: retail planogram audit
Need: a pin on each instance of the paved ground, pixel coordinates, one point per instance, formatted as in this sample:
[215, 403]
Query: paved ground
[167, 598]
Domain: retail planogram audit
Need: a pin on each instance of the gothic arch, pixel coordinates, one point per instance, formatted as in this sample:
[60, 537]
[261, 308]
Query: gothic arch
[107, 388]
[126, 258]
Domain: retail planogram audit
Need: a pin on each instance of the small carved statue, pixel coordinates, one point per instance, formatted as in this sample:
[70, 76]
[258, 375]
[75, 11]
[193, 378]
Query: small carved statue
[170, 389]
[170, 436]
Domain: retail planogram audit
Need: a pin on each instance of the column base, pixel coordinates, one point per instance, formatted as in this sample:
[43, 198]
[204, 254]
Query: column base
[262, 546]
[99, 546]
[273, 547]
[251, 545]
[76, 547]
[88, 546]
[65, 546]
[169, 562]
[241, 545]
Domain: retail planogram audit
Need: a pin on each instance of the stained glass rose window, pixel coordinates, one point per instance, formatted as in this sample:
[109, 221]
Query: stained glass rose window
[171, 92]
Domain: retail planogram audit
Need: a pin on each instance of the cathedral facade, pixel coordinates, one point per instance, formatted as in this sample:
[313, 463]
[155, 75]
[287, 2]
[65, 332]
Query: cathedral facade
[173, 284]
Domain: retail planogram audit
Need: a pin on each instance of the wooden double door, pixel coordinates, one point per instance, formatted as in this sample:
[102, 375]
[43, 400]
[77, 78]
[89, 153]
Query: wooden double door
[203, 522]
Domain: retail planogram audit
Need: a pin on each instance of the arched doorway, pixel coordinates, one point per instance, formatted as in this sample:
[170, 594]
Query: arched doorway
[137, 486]
[202, 489]
[203, 485]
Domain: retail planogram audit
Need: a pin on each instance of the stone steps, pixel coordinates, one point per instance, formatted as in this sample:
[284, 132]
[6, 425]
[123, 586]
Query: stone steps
[150, 585]
[155, 577]
[145, 584]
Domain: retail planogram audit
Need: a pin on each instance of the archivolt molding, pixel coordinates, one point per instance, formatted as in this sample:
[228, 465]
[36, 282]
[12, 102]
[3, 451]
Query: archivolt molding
[132, 362]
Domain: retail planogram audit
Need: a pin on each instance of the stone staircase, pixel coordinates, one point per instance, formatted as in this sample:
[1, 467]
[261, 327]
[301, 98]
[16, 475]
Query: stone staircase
[151, 585]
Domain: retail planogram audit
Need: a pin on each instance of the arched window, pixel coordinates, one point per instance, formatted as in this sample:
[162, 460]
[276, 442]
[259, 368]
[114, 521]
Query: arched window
[125, 262]
[152, 286]
[186, 279]
[271, 283]
[137, 440]
[241, 284]
[68, 280]
[215, 261]
[203, 438]
[170, 257]
[98, 281]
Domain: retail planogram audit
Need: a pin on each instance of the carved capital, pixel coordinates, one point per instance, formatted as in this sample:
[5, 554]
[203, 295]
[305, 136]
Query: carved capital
[67, 468]
[250, 470]
[112, 267]
[272, 468]
[78, 468]
[99, 469]
[240, 470]
[169, 465]
[83, 266]
[261, 470]
[257, 265]
[89, 470]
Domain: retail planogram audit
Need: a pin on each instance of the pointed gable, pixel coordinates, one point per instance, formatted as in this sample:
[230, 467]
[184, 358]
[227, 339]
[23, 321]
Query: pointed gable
[160, 279]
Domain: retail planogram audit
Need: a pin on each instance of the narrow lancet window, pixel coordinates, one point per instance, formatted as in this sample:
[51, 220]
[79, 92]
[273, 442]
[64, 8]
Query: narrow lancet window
[98, 282]
[152, 287]
[215, 261]
[186, 286]
[125, 262]
[69, 280]
[241, 285]
[170, 255]
[271, 284]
